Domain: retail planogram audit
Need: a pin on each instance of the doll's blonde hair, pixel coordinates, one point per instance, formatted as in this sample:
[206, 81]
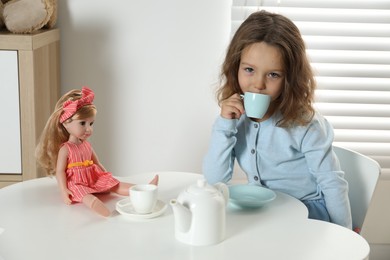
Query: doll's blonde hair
[54, 134]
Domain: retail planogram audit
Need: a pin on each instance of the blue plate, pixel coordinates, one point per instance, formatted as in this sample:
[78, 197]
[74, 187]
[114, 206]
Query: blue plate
[250, 196]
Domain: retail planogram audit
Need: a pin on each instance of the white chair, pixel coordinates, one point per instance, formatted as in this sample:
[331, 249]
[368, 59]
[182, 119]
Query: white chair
[362, 174]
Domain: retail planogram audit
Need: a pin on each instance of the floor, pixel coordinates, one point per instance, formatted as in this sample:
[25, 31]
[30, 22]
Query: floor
[380, 251]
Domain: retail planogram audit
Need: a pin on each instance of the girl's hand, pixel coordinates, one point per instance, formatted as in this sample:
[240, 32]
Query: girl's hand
[65, 196]
[232, 107]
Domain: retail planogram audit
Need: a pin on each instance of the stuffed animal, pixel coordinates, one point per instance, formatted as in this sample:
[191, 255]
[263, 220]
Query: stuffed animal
[27, 16]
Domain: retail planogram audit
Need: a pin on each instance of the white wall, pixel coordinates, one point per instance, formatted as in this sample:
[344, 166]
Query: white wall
[153, 66]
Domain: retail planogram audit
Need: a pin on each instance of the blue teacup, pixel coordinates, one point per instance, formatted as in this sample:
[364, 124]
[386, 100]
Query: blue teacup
[256, 105]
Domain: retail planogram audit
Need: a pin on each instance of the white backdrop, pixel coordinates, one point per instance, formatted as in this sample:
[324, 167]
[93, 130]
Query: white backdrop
[153, 66]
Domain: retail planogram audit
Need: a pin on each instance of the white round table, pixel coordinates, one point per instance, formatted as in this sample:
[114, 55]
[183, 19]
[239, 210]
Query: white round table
[38, 225]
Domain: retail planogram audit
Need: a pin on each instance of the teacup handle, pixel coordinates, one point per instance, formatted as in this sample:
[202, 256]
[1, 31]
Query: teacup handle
[223, 188]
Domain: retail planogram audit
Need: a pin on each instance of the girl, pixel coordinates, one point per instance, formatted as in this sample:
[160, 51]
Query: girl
[65, 151]
[290, 148]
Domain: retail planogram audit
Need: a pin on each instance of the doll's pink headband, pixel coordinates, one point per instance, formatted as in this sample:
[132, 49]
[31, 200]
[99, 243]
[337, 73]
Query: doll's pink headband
[70, 107]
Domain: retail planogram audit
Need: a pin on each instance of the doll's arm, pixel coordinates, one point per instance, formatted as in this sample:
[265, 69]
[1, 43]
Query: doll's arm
[95, 160]
[61, 175]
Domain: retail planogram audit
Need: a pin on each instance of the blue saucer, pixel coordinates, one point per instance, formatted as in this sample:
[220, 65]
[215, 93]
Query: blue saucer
[250, 196]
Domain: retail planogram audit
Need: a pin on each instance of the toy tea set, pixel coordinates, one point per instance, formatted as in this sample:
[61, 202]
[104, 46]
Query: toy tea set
[200, 209]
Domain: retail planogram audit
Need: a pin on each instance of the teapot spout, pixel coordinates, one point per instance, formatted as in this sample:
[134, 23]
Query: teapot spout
[182, 215]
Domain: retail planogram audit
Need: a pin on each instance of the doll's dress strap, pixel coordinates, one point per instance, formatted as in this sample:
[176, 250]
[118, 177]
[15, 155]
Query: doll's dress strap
[78, 164]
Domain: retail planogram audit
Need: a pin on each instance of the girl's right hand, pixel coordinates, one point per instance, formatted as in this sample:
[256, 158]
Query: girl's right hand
[232, 107]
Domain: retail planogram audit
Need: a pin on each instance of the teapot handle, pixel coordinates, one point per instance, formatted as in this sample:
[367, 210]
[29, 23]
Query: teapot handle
[223, 188]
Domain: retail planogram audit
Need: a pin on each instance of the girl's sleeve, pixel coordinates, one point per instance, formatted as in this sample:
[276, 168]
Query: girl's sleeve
[219, 160]
[325, 167]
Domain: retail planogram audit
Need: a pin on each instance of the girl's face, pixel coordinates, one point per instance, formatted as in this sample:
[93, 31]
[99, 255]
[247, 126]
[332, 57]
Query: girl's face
[79, 129]
[261, 70]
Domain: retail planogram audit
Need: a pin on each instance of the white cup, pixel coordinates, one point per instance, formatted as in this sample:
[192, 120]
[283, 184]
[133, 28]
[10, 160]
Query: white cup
[143, 197]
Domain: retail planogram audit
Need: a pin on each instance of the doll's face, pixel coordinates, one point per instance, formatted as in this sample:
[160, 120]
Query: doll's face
[261, 70]
[79, 129]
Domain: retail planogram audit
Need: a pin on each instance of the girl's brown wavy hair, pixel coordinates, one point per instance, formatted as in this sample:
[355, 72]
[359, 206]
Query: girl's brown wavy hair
[296, 100]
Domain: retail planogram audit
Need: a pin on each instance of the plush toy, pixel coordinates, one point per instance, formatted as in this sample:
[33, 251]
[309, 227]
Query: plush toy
[27, 16]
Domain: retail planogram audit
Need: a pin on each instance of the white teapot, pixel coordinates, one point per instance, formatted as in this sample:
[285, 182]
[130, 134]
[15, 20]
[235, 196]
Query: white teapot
[200, 213]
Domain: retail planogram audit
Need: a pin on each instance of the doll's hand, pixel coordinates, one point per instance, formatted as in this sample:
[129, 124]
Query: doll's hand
[65, 196]
[232, 108]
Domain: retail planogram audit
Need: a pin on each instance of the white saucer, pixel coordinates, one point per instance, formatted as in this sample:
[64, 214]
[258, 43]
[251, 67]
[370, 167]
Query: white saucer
[125, 208]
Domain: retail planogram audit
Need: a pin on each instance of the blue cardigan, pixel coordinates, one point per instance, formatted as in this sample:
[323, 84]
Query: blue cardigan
[298, 161]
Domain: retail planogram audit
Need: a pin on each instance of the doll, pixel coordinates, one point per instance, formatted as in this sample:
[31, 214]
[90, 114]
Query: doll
[64, 151]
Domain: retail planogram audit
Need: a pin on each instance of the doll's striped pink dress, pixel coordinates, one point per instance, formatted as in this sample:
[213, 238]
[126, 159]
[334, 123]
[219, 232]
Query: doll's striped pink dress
[82, 175]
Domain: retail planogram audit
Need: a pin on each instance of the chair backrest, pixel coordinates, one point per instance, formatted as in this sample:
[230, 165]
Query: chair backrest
[362, 174]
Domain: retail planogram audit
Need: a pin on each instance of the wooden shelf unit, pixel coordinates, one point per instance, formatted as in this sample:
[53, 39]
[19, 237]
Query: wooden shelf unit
[38, 57]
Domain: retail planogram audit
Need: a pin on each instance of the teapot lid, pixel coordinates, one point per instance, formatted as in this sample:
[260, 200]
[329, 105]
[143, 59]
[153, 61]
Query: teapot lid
[202, 188]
